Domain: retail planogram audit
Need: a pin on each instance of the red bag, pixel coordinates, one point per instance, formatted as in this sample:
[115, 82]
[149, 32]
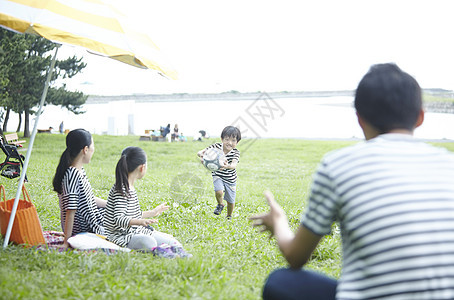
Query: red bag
[26, 227]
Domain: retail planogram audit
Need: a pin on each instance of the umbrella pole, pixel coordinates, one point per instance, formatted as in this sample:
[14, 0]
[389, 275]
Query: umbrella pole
[29, 151]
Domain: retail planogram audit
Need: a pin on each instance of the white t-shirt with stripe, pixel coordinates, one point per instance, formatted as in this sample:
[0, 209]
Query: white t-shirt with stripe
[120, 210]
[77, 194]
[227, 175]
[393, 197]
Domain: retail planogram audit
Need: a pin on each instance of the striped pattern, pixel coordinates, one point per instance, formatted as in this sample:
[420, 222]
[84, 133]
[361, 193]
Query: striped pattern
[92, 24]
[78, 195]
[394, 199]
[227, 175]
[119, 212]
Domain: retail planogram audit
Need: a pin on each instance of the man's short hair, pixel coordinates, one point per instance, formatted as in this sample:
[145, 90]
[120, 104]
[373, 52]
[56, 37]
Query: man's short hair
[388, 98]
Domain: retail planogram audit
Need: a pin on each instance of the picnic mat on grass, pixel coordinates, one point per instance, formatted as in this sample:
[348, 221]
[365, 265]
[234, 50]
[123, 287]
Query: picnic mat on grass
[92, 243]
[81, 243]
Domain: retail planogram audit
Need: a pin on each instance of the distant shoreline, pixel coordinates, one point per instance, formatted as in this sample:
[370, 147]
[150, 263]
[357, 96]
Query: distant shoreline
[227, 96]
[430, 106]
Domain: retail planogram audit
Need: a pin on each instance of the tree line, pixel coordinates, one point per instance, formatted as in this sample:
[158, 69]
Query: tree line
[24, 63]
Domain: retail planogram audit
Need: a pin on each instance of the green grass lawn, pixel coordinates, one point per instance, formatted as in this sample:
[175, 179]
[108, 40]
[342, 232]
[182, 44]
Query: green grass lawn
[231, 260]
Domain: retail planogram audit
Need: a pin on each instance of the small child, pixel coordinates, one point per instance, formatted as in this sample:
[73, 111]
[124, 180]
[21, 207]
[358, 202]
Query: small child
[126, 225]
[224, 179]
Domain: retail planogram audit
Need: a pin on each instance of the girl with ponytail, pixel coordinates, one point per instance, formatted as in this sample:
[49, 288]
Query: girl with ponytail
[79, 208]
[126, 225]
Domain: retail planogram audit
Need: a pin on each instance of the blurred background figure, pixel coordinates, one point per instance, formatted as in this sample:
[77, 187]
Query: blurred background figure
[182, 138]
[200, 135]
[175, 134]
[61, 127]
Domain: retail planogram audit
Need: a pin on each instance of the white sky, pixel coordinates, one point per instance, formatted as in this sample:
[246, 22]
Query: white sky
[269, 46]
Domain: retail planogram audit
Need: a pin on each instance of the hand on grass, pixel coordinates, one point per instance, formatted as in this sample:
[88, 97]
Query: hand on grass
[269, 221]
[65, 245]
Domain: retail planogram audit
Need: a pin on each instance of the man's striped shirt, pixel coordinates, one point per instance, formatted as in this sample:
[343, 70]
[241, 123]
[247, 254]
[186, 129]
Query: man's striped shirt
[78, 195]
[227, 175]
[393, 197]
[120, 210]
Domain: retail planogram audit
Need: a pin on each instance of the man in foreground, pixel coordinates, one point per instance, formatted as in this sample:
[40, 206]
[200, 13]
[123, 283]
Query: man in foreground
[393, 197]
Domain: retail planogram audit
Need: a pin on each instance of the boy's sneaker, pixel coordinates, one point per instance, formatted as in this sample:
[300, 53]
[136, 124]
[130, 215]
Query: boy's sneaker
[218, 209]
[229, 218]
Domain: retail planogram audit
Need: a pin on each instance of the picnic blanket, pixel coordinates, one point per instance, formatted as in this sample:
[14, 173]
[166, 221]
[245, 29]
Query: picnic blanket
[87, 242]
[82, 243]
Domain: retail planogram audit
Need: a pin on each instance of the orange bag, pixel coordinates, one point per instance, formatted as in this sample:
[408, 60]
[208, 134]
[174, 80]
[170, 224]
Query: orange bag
[26, 227]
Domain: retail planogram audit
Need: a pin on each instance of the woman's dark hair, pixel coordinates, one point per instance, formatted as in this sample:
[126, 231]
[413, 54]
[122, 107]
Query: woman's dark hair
[231, 131]
[76, 140]
[388, 98]
[131, 158]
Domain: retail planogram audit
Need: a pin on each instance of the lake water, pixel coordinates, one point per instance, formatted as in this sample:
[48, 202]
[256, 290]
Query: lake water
[314, 117]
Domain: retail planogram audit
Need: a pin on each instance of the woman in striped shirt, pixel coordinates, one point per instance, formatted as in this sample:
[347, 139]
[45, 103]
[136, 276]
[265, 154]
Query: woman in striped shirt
[80, 210]
[126, 225]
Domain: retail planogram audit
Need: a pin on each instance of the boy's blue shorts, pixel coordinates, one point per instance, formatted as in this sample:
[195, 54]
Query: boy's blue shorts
[228, 188]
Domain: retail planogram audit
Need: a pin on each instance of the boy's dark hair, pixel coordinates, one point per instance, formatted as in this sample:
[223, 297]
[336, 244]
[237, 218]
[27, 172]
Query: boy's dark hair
[231, 131]
[388, 98]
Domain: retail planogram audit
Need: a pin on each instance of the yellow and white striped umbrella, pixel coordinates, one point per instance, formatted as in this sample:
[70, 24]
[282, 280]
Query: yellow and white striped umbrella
[93, 24]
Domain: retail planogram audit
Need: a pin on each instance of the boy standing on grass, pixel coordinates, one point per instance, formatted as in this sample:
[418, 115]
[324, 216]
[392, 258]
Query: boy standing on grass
[393, 197]
[224, 179]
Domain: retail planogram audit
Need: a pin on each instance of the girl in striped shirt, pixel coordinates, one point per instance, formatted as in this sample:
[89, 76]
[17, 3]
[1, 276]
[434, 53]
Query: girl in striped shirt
[80, 210]
[126, 225]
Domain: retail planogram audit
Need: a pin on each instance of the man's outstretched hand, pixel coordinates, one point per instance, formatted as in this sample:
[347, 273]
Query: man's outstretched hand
[269, 221]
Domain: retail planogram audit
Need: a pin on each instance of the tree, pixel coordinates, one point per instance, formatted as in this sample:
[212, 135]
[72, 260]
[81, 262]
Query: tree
[12, 55]
[26, 60]
[3, 83]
